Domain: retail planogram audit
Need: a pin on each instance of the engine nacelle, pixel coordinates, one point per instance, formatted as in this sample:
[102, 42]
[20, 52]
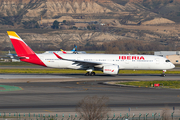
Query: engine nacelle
[111, 69]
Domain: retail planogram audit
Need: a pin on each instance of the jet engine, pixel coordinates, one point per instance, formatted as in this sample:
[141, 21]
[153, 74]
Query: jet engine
[111, 69]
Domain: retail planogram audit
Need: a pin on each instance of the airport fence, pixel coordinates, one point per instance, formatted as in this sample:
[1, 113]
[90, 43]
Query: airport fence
[33, 116]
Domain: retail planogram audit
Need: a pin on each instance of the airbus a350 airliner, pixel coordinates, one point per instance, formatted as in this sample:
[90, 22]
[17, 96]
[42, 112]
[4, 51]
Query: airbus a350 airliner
[107, 63]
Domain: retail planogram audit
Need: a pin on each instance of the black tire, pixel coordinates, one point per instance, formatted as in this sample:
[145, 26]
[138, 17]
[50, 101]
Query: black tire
[92, 73]
[87, 74]
[163, 75]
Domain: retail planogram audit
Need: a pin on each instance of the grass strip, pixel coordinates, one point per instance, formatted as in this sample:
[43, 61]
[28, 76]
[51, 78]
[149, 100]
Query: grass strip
[70, 71]
[165, 84]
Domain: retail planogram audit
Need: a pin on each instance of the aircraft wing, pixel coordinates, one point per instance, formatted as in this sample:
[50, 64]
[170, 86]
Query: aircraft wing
[85, 63]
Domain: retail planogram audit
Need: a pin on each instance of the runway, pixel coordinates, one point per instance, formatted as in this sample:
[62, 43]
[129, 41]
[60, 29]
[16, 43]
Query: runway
[61, 93]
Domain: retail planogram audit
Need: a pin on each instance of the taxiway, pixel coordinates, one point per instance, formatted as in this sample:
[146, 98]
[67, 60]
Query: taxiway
[61, 93]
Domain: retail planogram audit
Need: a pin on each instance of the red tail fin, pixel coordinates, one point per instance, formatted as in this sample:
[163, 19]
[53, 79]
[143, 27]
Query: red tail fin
[23, 51]
[19, 45]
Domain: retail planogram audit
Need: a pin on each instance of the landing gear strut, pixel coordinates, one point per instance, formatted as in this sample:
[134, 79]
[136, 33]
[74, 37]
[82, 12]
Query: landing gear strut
[90, 74]
[163, 74]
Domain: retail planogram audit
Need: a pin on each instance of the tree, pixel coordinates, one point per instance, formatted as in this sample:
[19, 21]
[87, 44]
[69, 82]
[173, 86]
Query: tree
[30, 24]
[93, 108]
[7, 20]
[73, 27]
[64, 21]
[88, 27]
[1, 53]
[55, 25]
[165, 114]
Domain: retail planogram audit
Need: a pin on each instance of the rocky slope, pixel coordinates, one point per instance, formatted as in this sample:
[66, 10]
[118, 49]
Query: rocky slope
[49, 8]
[21, 10]
[54, 40]
[117, 12]
[59, 39]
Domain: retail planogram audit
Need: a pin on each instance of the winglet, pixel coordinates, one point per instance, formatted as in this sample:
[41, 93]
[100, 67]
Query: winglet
[57, 56]
[63, 51]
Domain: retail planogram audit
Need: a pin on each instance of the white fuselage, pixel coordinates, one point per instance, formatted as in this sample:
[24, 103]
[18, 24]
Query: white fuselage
[143, 62]
[107, 63]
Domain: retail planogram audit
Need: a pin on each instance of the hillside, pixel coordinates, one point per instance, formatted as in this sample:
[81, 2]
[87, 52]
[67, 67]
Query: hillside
[16, 11]
[90, 22]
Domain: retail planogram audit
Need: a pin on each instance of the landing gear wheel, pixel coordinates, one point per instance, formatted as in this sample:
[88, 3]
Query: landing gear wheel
[87, 74]
[92, 73]
[163, 75]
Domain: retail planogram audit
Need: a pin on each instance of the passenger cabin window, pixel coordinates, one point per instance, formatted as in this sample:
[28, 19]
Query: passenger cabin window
[177, 61]
[167, 60]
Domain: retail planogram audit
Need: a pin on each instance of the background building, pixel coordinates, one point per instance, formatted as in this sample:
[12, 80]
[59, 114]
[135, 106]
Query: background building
[173, 56]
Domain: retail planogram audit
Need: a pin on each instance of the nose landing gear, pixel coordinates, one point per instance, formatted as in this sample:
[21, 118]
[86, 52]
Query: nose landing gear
[163, 74]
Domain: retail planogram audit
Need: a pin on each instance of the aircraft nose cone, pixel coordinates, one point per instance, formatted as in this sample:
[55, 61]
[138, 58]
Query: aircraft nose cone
[172, 65]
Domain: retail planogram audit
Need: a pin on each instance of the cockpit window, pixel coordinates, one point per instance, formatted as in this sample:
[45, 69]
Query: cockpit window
[167, 60]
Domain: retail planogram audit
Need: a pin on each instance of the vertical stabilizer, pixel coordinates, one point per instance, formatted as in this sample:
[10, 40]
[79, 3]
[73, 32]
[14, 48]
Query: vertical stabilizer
[24, 52]
[20, 46]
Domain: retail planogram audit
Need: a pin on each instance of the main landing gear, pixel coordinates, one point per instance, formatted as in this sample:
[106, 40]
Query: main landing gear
[90, 74]
[163, 74]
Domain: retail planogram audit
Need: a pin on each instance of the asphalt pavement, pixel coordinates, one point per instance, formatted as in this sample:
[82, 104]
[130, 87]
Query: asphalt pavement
[61, 93]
